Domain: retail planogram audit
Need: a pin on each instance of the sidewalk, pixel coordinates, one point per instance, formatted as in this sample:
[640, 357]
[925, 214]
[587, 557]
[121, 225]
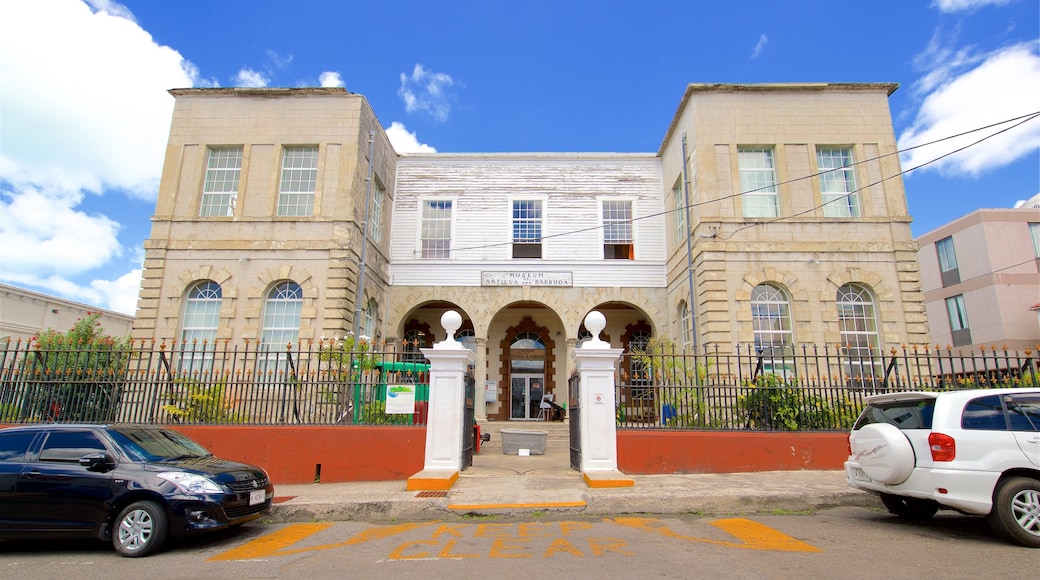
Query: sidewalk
[521, 486]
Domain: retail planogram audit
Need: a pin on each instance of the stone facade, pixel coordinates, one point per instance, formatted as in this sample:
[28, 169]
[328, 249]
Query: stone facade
[523, 314]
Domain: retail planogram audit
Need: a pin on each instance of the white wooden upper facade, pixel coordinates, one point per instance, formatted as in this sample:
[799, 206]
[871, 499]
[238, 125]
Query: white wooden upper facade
[482, 193]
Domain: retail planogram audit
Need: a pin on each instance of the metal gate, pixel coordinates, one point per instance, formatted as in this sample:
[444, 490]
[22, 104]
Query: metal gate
[469, 421]
[574, 413]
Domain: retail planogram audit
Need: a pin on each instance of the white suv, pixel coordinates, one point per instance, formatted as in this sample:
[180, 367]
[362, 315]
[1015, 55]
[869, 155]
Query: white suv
[974, 451]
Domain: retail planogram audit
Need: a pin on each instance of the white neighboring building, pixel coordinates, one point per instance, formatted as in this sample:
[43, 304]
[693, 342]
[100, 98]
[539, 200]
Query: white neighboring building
[24, 313]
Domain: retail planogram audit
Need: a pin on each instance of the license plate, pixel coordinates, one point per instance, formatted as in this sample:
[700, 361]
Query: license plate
[860, 475]
[256, 496]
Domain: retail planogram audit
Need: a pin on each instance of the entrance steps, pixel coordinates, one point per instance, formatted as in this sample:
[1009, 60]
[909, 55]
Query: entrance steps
[558, 441]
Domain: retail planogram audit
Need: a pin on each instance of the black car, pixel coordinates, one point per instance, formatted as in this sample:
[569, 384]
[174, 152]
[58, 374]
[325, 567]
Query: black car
[132, 484]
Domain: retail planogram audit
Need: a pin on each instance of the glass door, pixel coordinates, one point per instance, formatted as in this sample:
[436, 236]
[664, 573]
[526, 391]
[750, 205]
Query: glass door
[525, 396]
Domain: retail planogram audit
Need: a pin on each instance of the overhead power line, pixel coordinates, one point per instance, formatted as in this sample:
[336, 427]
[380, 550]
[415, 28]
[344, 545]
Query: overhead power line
[1020, 120]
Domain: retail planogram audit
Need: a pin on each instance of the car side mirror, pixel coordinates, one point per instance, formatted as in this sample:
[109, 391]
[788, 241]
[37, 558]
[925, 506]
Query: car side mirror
[95, 461]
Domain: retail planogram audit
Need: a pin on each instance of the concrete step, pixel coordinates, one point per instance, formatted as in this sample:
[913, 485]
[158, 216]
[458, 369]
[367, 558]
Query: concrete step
[558, 438]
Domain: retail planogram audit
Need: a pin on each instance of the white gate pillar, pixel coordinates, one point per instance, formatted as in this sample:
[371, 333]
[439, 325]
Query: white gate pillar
[449, 360]
[595, 362]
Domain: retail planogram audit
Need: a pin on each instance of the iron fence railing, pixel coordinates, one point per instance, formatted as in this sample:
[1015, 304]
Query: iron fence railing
[795, 388]
[317, 383]
[342, 383]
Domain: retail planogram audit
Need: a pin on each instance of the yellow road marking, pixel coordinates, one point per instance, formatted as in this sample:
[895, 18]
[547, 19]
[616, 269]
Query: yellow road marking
[753, 535]
[505, 544]
[276, 543]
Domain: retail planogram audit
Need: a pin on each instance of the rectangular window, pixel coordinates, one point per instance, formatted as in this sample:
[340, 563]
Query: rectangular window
[375, 216]
[299, 178]
[435, 237]
[220, 191]
[1034, 234]
[758, 182]
[527, 228]
[947, 262]
[958, 320]
[680, 214]
[617, 230]
[837, 182]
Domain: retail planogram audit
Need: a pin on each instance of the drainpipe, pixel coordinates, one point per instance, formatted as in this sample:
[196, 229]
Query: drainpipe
[689, 245]
[364, 237]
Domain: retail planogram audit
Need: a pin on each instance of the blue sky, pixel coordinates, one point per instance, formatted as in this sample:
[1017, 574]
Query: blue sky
[84, 112]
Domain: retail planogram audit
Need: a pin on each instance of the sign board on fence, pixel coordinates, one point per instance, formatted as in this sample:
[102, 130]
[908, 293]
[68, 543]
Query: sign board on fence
[400, 399]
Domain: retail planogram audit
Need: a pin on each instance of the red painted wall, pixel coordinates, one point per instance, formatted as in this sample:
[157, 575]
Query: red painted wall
[291, 454]
[656, 452]
[385, 453]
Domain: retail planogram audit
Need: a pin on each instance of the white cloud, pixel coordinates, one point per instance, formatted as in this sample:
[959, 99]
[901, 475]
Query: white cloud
[119, 294]
[405, 141]
[762, 40]
[85, 111]
[330, 79]
[966, 5]
[248, 77]
[426, 91]
[1000, 85]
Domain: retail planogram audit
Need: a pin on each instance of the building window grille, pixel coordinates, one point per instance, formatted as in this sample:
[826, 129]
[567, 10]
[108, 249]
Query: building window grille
[435, 238]
[617, 230]
[299, 181]
[220, 189]
[758, 182]
[527, 228]
[837, 182]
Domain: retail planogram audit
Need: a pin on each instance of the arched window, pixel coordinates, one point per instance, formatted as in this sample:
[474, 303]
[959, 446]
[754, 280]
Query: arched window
[371, 314]
[281, 320]
[771, 316]
[857, 320]
[199, 323]
[201, 313]
[414, 340]
[686, 332]
[468, 338]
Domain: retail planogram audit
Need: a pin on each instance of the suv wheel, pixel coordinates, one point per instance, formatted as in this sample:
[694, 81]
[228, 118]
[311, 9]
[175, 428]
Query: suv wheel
[140, 529]
[1016, 510]
[911, 508]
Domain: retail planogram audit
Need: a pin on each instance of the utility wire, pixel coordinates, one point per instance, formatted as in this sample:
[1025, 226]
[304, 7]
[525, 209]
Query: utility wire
[1024, 119]
[1021, 120]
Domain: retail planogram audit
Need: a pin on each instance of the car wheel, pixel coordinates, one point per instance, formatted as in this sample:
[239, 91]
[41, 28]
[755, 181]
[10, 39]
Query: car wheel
[1016, 510]
[141, 529]
[911, 508]
[883, 452]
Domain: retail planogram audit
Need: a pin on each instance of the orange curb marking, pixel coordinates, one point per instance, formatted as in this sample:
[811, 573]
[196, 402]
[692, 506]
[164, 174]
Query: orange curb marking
[499, 506]
[431, 483]
[605, 483]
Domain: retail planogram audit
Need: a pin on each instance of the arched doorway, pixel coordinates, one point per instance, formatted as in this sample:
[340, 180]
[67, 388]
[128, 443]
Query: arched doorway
[528, 367]
[526, 376]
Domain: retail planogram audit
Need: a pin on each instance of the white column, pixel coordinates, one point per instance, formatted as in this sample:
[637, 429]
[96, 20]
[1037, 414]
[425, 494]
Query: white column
[449, 360]
[595, 362]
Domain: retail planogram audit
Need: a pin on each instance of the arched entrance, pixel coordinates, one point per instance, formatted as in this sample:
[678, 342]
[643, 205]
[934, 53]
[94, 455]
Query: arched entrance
[528, 367]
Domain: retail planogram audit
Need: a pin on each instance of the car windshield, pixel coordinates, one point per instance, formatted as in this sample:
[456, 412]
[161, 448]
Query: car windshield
[903, 414]
[157, 444]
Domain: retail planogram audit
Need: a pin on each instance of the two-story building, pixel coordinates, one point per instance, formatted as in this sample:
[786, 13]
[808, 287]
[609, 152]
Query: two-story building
[771, 215]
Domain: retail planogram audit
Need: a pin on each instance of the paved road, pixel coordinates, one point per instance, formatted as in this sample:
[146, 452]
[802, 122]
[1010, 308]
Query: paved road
[845, 542]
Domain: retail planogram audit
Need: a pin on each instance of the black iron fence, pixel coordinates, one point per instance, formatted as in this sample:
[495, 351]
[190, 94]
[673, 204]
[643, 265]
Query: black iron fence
[794, 388]
[314, 383]
[338, 382]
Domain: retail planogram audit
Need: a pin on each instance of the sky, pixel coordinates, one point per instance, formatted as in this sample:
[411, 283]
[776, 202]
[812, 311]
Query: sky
[85, 112]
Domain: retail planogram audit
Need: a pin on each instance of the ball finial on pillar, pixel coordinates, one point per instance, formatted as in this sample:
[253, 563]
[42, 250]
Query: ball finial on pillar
[451, 321]
[595, 322]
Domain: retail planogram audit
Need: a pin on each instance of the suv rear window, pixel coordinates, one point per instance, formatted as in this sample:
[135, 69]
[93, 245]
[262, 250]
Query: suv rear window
[903, 414]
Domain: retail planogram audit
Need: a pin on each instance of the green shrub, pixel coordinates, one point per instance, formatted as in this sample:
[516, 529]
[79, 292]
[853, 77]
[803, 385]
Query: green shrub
[198, 402]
